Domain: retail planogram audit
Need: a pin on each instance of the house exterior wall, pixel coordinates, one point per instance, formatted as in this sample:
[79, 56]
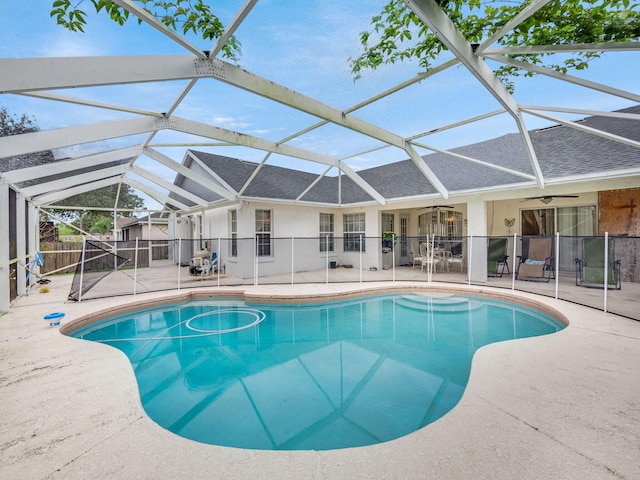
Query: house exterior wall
[141, 231]
[302, 223]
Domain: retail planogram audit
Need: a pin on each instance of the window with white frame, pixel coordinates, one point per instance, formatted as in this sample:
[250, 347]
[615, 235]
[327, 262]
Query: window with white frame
[326, 232]
[577, 221]
[233, 228]
[263, 233]
[568, 221]
[353, 225]
[441, 223]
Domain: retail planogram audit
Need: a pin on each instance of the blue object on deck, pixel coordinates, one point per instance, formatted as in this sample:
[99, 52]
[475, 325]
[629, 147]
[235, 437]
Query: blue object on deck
[54, 318]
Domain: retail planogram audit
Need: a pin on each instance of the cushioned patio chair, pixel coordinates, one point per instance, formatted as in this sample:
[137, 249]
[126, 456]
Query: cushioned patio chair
[590, 268]
[536, 262]
[497, 257]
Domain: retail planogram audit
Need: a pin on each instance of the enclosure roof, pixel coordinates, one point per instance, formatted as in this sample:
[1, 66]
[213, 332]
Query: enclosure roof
[328, 140]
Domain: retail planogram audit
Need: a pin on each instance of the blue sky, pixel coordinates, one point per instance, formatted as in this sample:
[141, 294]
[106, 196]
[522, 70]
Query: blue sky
[304, 46]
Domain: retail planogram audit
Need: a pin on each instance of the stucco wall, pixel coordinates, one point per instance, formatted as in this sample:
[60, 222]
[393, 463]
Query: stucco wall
[289, 221]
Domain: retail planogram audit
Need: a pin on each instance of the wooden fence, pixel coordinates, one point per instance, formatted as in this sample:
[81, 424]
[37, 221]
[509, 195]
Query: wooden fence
[62, 257]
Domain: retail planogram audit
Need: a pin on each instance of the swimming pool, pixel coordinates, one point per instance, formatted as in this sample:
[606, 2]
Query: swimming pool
[319, 376]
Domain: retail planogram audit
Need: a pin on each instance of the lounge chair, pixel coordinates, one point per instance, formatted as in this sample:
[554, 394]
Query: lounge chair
[497, 257]
[536, 262]
[590, 268]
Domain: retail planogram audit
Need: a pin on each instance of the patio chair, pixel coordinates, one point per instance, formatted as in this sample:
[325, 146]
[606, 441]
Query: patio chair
[416, 259]
[497, 257]
[456, 259]
[203, 263]
[590, 268]
[210, 265]
[536, 261]
[427, 257]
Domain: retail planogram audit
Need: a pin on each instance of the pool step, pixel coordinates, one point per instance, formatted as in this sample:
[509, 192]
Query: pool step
[439, 302]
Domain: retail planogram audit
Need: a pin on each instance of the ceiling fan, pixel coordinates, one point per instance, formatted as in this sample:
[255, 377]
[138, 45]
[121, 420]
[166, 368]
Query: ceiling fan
[547, 198]
[438, 207]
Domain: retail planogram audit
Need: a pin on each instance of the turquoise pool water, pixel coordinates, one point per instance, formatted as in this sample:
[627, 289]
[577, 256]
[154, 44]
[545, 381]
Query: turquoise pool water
[313, 376]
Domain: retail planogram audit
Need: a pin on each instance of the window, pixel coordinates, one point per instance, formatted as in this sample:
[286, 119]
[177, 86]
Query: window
[577, 221]
[570, 221]
[263, 233]
[354, 230]
[441, 223]
[233, 220]
[326, 232]
[538, 221]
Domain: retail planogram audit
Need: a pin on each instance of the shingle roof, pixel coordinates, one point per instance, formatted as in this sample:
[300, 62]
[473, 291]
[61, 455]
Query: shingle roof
[564, 151]
[561, 151]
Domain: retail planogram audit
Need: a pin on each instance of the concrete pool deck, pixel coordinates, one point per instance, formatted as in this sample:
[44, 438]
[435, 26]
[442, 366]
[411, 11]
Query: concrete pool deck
[560, 406]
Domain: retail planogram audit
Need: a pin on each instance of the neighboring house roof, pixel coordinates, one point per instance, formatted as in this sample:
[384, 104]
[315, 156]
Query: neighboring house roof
[130, 222]
[561, 151]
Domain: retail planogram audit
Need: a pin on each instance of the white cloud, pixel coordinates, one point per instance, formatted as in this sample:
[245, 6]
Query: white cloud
[230, 123]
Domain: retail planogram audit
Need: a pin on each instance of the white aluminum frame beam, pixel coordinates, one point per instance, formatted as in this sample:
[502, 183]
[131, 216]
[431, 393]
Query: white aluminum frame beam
[567, 78]
[201, 129]
[185, 172]
[61, 73]
[168, 185]
[213, 174]
[313, 184]
[160, 197]
[90, 103]
[5, 296]
[232, 27]
[432, 15]
[582, 111]
[493, 166]
[564, 48]
[72, 181]
[66, 166]
[254, 174]
[53, 197]
[135, 69]
[64, 137]
[585, 128]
